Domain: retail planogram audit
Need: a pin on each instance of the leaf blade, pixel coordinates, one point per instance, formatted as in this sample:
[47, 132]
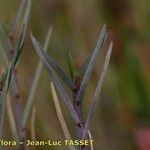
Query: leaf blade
[62, 92]
[57, 68]
[30, 99]
[8, 78]
[90, 67]
[97, 91]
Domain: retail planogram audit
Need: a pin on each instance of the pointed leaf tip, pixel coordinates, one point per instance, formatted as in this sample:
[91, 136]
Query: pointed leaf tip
[71, 65]
[89, 65]
[50, 64]
[49, 61]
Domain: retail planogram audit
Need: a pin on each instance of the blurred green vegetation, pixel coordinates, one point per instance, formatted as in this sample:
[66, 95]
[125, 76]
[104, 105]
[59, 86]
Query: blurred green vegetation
[124, 106]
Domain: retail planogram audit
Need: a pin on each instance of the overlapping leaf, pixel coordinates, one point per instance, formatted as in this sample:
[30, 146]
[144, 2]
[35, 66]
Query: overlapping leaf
[50, 64]
[71, 64]
[57, 69]
[30, 99]
[7, 77]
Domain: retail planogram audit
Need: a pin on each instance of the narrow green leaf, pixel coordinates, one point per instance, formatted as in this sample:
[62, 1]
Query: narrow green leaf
[90, 66]
[15, 57]
[19, 46]
[6, 81]
[15, 88]
[3, 94]
[71, 65]
[55, 66]
[97, 91]
[30, 99]
[57, 83]
[83, 69]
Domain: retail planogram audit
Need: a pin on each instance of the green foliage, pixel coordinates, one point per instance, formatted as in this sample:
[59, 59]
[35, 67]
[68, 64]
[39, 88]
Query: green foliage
[32, 92]
[71, 64]
[52, 67]
[125, 98]
[49, 64]
[7, 77]
[89, 65]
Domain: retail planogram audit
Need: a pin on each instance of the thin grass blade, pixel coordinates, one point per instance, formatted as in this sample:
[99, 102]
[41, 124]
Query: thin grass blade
[97, 91]
[30, 99]
[57, 68]
[3, 94]
[90, 66]
[56, 81]
[6, 81]
[83, 69]
[71, 65]
[20, 43]
[9, 107]
[19, 47]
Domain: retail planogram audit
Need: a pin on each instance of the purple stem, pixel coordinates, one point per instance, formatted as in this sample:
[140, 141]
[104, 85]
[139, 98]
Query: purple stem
[16, 94]
[79, 111]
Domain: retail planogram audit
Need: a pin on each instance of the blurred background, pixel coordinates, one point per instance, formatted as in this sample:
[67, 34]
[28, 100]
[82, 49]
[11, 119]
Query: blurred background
[122, 119]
